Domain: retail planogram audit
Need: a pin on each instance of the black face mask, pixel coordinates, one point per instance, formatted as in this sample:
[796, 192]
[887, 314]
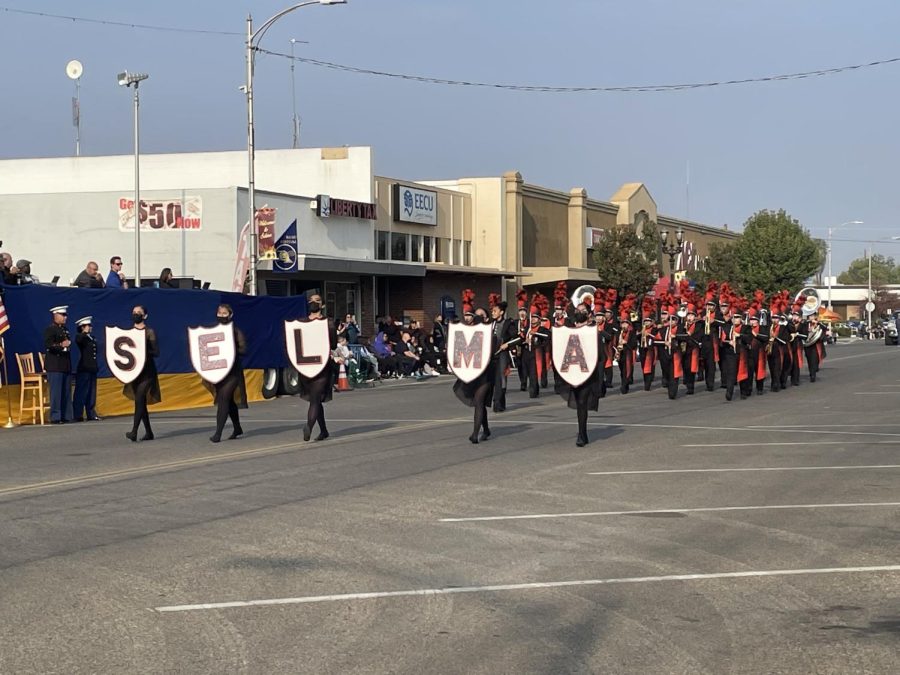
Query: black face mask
[224, 320]
[314, 307]
[137, 318]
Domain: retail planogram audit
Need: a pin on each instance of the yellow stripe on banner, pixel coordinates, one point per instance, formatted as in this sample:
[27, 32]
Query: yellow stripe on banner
[181, 391]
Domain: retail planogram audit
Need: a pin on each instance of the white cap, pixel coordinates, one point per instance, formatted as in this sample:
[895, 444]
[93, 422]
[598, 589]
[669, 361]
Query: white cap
[62, 309]
[85, 321]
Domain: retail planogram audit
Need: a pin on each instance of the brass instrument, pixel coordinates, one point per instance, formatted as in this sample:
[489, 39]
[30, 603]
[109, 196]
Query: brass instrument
[707, 328]
[770, 345]
[583, 295]
[813, 337]
[812, 304]
[620, 345]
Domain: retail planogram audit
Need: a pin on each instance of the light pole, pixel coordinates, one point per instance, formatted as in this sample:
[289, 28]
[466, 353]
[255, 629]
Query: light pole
[252, 45]
[127, 79]
[672, 250]
[828, 252]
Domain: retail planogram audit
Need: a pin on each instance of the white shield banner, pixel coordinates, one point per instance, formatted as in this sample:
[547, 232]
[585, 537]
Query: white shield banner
[213, 351]
[126, 352]
[575, 353]
[308, 345]
[468, 350]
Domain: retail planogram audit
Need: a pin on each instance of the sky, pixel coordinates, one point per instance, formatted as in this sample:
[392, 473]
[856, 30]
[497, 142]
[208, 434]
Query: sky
[824, 149]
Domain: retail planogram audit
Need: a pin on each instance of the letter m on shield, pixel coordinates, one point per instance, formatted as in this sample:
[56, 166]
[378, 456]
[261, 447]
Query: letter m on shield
[468, 354]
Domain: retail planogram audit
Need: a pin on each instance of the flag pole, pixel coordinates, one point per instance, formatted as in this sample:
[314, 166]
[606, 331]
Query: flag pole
[9, 420]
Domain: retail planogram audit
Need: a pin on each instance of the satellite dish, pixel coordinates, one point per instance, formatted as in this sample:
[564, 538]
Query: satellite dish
[74, 69]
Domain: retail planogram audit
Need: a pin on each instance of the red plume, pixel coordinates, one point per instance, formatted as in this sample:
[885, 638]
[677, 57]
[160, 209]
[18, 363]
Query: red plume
[611, 296]
[648, 307]
[712, 289]
[493, 299]
[626, 306]
[521, 298]
[561, 294]
[599, 299]
[540, 304]
[468, 299]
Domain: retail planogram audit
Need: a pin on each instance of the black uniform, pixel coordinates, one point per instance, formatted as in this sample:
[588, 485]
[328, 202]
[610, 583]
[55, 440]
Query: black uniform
[318, 390]
[478, 392]
[85, 400]
[144, 391]
[58, 366]
[779, 357]
[533, 348]
[231, 392]
[583, 398]
[504, 331]
[709, 349]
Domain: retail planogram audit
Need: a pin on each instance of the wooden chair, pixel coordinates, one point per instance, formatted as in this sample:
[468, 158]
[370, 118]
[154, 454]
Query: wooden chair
[34, 384]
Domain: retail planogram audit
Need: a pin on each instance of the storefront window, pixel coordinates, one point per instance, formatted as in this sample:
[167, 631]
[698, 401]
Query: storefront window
[381, 245]
[415, 245]
[467, 253]
[399, 246]
[426, 249]
[442, 250]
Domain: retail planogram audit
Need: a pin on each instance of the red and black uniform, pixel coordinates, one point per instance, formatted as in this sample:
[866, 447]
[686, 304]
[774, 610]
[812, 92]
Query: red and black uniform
[814, 348]
[669, 354]
[798, 335]
[627, 344]
[534, 347]
[732, 358]
[692, 339]
[647, 352]
[710, 328]
[756, 357]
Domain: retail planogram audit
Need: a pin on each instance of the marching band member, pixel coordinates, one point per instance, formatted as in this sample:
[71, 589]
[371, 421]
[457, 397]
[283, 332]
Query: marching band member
[58, 366]
[692, 339]
[625, 348]
[814, 346]
[730, 351]
[798, 335]
[709, 343]
[317, 391]
[663, 353]
[231, 392]
[756, 351]
[507, 337]
[646, 346]
[586, 396]
[606, 347]
[533, 348]
[85, 400]
[778, 345]
[522, 325]
[144, 390]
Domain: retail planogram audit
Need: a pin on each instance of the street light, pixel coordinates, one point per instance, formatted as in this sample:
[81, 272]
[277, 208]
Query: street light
[252, 45]
[127, 79]
[828, 252]
[672, 250]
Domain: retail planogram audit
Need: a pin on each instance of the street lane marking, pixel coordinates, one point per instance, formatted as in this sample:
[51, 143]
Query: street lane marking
[208, 459]
[707, 509]
[875, 393]
[495, 588]
[759, 468]
[760, 445]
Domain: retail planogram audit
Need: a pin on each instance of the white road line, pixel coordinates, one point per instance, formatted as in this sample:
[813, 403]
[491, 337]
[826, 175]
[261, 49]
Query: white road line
[758, 468]
[495, 588]
[875, 393]
[707, 509]
[816, 425]
[760, 445]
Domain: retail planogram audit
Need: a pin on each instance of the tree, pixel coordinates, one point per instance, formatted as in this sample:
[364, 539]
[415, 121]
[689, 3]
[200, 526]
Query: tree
[717, 266]
[886, 303]
[774, 252]
[627, 262]
[884, 271]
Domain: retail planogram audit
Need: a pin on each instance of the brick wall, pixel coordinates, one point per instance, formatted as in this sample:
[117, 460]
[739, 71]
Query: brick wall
[436, 285]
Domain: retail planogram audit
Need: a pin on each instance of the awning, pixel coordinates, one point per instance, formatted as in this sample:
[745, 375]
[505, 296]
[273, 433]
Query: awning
[573, 275]
[324, 264]
[475, 271]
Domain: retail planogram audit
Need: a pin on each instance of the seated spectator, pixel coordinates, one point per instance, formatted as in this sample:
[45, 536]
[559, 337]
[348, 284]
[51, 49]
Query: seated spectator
[369, 360]
[165, 279]
[430, 356]
[116, 278]
[23, 273]
[387, 359]
[410, 362]
[89, 277]
[415, 330]
[391, 330]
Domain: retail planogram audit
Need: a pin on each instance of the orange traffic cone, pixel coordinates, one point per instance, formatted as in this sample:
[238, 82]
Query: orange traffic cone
[343, 384]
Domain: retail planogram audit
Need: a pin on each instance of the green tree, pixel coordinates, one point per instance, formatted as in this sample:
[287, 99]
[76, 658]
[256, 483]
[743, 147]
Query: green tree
[774, 252]
[717, 266]
[627, 262]
[884, 271]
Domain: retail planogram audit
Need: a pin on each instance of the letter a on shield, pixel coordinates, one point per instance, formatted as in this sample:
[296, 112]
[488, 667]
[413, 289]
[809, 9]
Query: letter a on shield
[575, 353]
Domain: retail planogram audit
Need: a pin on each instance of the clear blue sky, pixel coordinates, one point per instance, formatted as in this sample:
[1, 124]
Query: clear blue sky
[824, 149]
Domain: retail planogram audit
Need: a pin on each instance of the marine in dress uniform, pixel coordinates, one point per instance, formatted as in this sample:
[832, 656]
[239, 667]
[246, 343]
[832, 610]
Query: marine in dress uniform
[58, 366]
[85, 401]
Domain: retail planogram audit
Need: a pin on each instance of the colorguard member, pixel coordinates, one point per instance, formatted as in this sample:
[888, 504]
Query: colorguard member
[646, 346]
[309, 346]
[575, 358]
[507, 341]
[58, 366]
[130, 355]
[534, 346]
[85, 400]
[470, 355]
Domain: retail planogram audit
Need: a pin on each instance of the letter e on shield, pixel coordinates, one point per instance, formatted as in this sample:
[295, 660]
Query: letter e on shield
[213, 351]
[126, 352]
[468, 350]
[308, 345]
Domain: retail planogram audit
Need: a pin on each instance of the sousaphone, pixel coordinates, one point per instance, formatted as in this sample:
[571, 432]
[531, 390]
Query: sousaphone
[583, 295]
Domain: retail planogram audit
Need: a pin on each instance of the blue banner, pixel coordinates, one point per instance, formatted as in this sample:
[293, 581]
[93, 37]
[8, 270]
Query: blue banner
[286, 250]
[170, 312]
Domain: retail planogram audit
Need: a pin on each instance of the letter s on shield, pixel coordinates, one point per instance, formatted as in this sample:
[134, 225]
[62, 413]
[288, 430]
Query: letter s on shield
[213, 351]
[126, 352]
[308, 345]
[469, 350]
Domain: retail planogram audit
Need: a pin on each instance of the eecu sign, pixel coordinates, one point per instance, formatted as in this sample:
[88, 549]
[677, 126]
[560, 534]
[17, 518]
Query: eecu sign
[330, 207]
[412, 205]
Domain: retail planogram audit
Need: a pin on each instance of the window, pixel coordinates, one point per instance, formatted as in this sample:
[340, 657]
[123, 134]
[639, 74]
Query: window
[415, 248]
[381, 245]
[426, 249]
[467, 253]
[399, 246]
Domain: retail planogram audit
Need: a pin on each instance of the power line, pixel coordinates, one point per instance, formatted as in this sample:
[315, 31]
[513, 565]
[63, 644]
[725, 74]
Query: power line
[582, 89]
[119, 24]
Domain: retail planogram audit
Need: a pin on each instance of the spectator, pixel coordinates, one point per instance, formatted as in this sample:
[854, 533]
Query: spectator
[416, 331]
[410, 362]
[349, 329]
[165, 279]
[387, 359]
[89, 277]
[116, 278]
[8, 271]
[439, 333]
[368, 359]
[392, 330]
[23, 273]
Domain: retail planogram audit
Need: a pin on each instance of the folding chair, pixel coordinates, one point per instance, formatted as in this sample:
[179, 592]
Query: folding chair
[33, 383]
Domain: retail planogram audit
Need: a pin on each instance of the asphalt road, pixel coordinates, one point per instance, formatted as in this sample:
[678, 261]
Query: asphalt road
[689, 536]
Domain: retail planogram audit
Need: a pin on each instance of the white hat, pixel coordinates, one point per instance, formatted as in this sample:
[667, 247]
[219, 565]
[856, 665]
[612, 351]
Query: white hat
[86, 321]
[62, 309]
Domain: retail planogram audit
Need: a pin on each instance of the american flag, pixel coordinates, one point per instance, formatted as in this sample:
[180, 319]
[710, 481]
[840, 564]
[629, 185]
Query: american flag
[4, 320]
